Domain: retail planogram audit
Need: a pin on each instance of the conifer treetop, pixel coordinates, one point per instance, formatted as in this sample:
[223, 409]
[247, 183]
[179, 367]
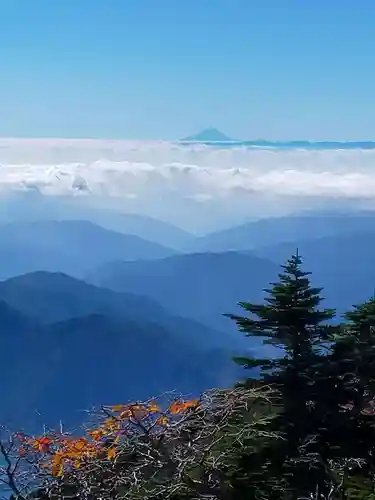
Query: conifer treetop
[290, 308]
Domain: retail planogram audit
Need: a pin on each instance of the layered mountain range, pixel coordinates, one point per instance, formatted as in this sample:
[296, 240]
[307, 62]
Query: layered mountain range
[90, 315]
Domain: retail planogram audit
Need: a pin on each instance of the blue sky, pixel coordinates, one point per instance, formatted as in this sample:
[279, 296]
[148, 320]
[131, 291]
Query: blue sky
[149, 69]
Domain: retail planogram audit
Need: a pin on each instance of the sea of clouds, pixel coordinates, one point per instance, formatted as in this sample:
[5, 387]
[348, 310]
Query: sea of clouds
[195, 186]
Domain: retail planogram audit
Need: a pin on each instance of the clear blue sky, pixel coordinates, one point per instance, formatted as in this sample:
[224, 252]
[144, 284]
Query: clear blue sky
[277, 69]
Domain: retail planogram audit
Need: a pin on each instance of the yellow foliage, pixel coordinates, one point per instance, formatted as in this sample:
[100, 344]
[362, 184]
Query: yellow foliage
[154, 408]
[59, 452]
[111, 453]
[118, 408]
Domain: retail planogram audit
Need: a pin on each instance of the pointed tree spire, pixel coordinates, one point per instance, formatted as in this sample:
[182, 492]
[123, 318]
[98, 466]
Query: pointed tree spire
[290, 318]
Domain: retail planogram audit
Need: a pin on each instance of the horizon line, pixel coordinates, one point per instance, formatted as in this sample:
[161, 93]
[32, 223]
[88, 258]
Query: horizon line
[183, 141]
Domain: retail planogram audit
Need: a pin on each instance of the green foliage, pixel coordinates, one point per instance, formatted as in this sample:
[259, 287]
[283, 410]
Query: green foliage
[359, 488]
[349, 412]
[354, 354]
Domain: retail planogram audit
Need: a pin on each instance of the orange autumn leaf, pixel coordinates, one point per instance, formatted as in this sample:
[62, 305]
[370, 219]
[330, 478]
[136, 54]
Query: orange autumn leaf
[189, 404]
[96, 434]
[57, 465]
[65, 453]
[111, 453]
[153, 407]
[180, 406]
[80, 443]
[163, 420]
[42, 444]
[176, 407]
[192, 403]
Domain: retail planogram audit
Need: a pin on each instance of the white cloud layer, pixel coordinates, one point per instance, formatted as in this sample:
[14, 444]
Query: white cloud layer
[186, 182]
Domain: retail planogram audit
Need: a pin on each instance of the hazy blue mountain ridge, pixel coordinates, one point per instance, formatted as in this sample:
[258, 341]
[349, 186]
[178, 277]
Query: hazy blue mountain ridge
[284, 229]
[140, 326]
[68, 346]
[343, 264]
[201, 286]
[72, 247]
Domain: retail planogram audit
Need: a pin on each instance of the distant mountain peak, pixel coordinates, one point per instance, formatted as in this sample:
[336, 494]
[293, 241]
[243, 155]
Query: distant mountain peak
[210, 134]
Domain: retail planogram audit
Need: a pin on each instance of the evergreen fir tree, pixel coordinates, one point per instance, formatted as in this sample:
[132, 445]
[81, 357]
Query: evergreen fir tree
[356, 348]
[351, 408]
[291, 319]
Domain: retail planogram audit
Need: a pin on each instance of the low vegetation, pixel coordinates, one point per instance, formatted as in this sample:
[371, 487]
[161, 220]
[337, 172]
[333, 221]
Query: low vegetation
[302, 429]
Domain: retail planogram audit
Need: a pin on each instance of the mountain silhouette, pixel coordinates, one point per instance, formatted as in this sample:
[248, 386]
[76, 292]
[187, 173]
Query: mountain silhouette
[196, 286]
[291, 228]
[72, 247]
[209, 135]
[68, 346]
